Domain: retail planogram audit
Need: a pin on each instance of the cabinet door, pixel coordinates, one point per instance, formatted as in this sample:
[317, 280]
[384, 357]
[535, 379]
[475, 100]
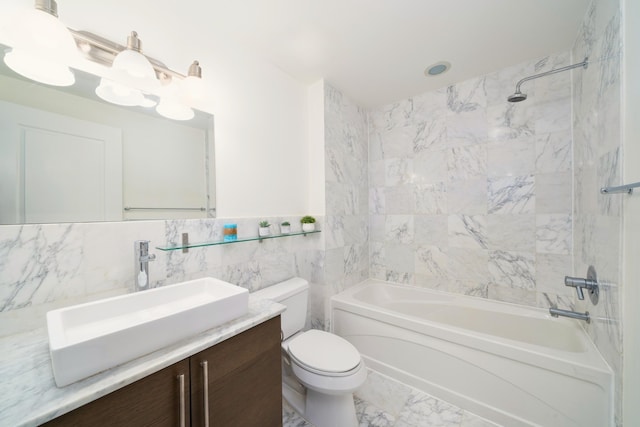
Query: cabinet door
[152, 401]
[244, 380]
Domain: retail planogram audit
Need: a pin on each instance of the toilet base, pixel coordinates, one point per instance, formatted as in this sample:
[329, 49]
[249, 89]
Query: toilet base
[327, 410]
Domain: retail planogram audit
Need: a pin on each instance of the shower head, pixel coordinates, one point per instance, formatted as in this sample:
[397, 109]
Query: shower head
[517, 97]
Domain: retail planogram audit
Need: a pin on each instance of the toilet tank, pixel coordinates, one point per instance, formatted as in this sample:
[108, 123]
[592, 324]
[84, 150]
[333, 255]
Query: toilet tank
[294, 294]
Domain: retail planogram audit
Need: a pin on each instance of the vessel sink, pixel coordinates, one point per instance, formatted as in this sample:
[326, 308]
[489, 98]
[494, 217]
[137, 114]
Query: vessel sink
[89, 338]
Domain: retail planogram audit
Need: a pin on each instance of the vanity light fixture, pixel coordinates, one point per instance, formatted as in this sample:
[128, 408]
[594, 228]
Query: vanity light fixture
[130, 74]
[134, 75]
[193, 82]
[177, 95]
[42, 48]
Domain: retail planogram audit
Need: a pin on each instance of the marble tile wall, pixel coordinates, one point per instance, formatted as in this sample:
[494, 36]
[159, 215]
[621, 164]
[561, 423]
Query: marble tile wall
[597, 151]
[469, 193]
[346, 187]
[48, 266]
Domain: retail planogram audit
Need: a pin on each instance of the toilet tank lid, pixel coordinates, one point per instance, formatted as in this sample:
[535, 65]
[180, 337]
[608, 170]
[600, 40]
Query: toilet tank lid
[283, 290]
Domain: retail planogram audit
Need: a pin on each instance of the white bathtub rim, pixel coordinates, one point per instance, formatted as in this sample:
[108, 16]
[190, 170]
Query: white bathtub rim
[458, 352]
[558, 360]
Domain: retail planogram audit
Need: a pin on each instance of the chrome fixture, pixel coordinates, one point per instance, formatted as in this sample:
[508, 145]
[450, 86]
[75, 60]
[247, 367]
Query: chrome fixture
[141, 264]
[42, 48]
[519, 96]
[621, 189]
[590, 284]
[555, 312]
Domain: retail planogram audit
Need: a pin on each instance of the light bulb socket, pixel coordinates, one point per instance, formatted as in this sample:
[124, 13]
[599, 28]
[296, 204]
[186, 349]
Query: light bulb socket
[195, 70]
[133, 42]
[48, 6]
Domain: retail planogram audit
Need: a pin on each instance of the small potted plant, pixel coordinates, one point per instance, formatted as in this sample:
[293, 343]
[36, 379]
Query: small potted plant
[308, 223]
[285, 227]
[264, 229]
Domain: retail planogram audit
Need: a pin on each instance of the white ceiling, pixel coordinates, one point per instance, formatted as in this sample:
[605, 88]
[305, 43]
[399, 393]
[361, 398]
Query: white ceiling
[375, 51]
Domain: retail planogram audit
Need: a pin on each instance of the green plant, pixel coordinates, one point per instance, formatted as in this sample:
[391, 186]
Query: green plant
[264, 224]
[307, 219]
[285, 223]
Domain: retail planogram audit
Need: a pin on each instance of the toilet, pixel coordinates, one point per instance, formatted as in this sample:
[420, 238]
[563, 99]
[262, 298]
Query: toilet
[320, 370]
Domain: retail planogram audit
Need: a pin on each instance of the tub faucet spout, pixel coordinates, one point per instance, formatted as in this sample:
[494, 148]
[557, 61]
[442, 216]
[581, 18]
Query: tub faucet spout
[555, 312]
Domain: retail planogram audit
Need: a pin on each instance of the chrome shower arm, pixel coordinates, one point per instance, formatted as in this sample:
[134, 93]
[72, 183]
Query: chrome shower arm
[583, 64]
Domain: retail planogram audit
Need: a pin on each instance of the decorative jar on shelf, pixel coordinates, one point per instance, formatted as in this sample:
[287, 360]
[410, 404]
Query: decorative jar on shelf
[285, 227]
[230, 232]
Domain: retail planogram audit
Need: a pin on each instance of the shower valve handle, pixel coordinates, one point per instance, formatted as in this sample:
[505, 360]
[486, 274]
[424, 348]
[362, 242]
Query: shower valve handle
[580, 283]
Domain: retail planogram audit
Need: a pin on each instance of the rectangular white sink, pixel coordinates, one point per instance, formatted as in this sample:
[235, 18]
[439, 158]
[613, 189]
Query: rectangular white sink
[89, 338]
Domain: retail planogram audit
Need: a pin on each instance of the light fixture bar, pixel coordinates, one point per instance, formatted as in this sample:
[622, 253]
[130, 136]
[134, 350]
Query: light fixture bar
[103, 51]
[49, 6]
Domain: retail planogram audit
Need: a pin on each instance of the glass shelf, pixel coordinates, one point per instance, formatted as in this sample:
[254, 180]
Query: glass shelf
[176, 246]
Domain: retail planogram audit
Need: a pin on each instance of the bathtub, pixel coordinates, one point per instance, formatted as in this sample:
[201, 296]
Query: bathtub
[511, 364]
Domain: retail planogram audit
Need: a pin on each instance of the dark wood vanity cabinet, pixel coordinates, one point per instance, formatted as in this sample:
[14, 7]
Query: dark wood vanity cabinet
[244, 389]
[244, 382]
[152, 401]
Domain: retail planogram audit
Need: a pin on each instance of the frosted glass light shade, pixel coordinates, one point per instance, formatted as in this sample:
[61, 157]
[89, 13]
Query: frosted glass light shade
[36, 68]
[120, 94]
[193, 87]
[174, 110]
[42, 48]
[134, 69]
[171, 103]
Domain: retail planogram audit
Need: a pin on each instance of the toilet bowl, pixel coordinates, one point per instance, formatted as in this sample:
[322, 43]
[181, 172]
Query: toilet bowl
[330, 369]
[320, 370]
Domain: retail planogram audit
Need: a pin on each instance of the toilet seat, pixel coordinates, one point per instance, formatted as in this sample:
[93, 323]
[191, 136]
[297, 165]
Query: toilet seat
[324, 353]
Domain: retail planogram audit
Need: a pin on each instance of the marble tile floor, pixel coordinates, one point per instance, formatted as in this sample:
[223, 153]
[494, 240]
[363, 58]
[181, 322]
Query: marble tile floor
[419, 410]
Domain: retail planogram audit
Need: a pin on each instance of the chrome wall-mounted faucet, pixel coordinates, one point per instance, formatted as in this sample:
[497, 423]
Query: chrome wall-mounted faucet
[590, 284]
[141, 264]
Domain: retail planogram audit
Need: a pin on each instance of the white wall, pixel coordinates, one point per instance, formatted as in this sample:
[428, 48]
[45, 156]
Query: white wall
[631, 227]
[260, 112]
[315, 124]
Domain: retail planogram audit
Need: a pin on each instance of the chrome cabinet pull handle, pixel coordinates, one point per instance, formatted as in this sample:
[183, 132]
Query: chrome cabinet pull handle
[182, 405]
[205, 377]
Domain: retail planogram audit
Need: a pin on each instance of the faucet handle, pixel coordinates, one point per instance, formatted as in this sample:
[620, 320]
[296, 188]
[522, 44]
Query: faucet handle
[590, 284]
[147, 258]
[577, 283]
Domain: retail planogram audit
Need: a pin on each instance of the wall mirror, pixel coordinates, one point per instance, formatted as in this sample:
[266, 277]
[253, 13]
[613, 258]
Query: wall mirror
[68, 156]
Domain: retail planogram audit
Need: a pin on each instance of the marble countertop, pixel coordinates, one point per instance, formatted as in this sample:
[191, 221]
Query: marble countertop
[30, 396]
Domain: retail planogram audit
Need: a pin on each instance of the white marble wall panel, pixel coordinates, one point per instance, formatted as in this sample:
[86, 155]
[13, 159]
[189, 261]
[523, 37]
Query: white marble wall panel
[431, 229]
[554, 193]
[511, 158]
[553, 234]
[511, 232]
[430, 167]
[467, 196]
[433, 198]
[467, 231]
[492, 186]
[467, 162]
[512, 194]
[553, 152]
[49, 266]
[350, 196]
